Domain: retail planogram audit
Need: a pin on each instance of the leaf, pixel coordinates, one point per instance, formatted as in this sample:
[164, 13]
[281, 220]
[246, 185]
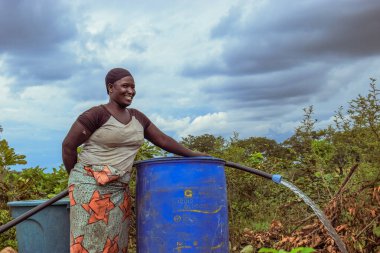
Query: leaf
[302, 250]
[268, 250]
[247, 249]
[376, 231]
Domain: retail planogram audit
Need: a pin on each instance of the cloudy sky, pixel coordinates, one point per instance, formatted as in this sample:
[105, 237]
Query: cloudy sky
[200, 66]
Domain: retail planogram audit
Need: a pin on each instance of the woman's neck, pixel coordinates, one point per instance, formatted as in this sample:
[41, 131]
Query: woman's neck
[112, 105]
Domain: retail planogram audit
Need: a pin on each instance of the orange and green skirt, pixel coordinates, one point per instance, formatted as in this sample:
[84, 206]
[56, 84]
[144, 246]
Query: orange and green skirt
[100, 209]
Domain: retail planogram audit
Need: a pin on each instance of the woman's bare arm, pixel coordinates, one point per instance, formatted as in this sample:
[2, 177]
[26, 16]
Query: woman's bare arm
[158, 138]
[76, 136]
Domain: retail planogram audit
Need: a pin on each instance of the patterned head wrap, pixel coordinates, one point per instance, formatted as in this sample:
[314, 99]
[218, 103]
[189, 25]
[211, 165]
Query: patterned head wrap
[116, 74]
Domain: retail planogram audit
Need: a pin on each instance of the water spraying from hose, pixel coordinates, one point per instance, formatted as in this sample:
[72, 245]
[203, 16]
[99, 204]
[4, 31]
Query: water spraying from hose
[278, 179]
[319, 214]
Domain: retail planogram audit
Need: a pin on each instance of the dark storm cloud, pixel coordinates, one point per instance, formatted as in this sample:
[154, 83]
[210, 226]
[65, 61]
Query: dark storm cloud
[33, 39]
[280, 36]
[33, 27]
[271, 89]
[282, 54]
[55, 65]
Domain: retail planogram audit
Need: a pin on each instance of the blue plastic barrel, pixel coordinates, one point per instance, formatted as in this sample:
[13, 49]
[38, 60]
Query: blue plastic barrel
[46, 231]
[181, 205]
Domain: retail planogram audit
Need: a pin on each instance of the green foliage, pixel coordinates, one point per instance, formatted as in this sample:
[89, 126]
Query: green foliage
[30, 183]
[7, 239]
[300, 143]
[8, 156]
[256, 159]
[247, 249]
[359, 128]
[148, 151]
[206, 143]
[322, 150]
[33, 183]
[27, 184]
[376, 231]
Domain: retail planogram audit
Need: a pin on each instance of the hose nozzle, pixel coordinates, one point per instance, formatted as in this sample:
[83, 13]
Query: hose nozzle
[276, 178]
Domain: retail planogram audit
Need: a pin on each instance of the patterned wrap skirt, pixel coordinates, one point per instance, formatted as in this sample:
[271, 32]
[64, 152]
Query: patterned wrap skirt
[100, 209]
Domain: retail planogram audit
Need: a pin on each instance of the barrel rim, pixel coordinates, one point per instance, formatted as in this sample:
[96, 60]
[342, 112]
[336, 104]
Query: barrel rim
[36, 202]
[179, 159]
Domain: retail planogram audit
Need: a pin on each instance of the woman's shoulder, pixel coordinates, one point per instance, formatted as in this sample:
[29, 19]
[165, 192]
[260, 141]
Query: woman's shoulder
[98, 109]
[141, 117]
[137, 113]
[134, 111]
[94, 117]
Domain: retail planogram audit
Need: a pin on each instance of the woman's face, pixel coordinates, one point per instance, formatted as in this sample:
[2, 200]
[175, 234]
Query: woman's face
[122, 91]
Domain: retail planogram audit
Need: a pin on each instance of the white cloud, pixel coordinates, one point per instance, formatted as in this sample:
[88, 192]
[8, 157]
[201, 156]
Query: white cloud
[212, 123]
[170, 124]
[209, 123]
[44, 107]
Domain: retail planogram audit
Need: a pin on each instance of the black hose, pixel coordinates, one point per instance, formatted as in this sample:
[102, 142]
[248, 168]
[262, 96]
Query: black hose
[248, 169]
[32, 211]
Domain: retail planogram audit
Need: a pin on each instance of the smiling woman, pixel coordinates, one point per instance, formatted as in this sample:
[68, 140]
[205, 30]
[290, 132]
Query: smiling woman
[111, 135]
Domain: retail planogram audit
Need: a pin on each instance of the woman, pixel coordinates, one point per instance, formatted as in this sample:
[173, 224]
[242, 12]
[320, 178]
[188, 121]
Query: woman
[111, 135]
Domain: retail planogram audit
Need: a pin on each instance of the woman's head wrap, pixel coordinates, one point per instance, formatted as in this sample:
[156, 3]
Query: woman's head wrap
[116, 74]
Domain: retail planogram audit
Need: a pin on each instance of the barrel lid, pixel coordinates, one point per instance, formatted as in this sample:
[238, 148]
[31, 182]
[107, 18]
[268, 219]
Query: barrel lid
[179, 159]
[36, 202]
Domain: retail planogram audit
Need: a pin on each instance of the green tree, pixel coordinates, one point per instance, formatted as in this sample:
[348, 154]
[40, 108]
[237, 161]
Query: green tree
[356, 136]
[364, 122]
[148, 151]
[8, 157]
[300, 142]
[205, 143]
[263, 145]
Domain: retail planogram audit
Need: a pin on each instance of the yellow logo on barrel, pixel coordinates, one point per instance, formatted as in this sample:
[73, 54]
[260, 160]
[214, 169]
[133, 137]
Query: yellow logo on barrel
[188, 193]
